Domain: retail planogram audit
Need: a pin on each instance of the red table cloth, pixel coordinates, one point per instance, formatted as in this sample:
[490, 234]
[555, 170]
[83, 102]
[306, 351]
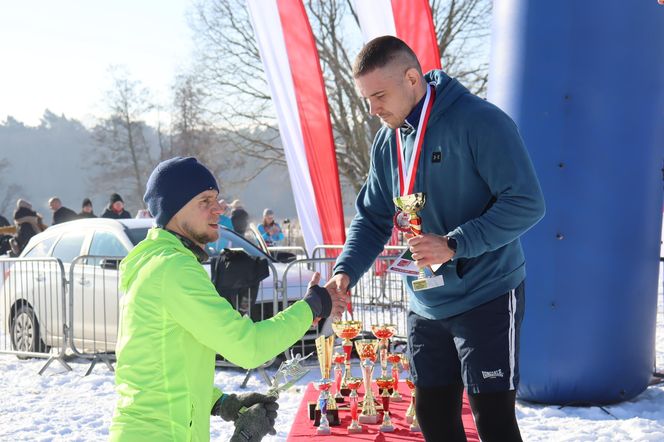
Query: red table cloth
[303, 428]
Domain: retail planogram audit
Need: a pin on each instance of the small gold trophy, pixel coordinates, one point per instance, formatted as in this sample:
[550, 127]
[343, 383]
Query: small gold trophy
[338, 359]
[384, 332]
[410, 205]
[384, 385]
[366, 349]
[324, 346]
[353, 385]
[346, 330]
[395, 360]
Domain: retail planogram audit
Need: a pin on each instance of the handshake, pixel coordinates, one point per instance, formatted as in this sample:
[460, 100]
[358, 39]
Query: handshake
[252, 424]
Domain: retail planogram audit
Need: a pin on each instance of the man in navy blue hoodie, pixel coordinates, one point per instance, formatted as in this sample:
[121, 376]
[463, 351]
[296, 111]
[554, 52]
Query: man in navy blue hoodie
[482, 194]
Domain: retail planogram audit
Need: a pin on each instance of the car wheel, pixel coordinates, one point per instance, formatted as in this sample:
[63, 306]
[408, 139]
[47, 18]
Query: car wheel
[25, 332]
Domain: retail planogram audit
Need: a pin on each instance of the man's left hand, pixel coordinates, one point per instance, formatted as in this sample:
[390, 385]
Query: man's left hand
[429, 249]
[229, 405]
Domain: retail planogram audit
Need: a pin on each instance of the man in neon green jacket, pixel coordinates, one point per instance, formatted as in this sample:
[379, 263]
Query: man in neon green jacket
[173, 322]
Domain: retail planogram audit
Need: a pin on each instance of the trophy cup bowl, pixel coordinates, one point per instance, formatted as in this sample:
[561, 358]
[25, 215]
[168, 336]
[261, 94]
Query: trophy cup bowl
[347, 330]
[367, 348]
[384, 332]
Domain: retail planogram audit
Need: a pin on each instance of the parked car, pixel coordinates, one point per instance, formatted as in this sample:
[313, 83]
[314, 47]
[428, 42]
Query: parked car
[31, 305]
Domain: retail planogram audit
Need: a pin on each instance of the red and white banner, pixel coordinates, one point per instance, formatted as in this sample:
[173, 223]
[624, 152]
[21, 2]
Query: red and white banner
[410, 20]
[290, 58]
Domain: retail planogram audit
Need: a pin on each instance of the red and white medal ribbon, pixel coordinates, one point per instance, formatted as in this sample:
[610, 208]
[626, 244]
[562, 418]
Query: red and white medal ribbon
[401, 219]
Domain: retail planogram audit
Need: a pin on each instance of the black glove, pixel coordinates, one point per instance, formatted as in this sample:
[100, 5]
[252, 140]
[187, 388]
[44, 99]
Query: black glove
[319, 300]
[255, 423]
[228, 405]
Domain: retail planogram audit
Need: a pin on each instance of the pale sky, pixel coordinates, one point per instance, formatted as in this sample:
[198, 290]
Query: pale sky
[56, 54]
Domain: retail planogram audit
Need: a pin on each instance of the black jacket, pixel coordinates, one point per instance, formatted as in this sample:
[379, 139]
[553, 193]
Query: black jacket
[109, 213]
[63, 214]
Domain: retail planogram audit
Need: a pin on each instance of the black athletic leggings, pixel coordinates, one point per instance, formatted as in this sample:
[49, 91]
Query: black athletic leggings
[439, 414]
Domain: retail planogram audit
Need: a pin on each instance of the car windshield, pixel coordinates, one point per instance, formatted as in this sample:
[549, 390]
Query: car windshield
[231, 240]
[137, 234]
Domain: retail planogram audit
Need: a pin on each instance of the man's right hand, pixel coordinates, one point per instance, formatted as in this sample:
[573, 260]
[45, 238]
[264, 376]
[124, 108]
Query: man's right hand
[337, 287]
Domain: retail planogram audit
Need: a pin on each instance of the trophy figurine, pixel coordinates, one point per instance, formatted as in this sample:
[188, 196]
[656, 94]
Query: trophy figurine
[346, 330]
[338, 359]
[409, 205]
[384, 385]
[366, 349]
[395, 360]
[384, 332]
[324, 404]
[353, 385]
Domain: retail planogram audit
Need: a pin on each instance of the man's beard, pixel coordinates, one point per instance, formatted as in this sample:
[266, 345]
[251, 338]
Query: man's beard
[198, 237]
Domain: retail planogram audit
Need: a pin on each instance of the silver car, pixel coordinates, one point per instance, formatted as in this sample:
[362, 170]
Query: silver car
[32, 304]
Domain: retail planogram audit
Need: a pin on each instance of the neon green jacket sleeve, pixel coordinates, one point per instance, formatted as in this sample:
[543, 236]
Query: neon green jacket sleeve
[190, 297]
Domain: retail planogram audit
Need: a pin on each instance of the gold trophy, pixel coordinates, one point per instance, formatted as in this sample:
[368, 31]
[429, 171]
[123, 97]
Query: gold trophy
[324, 346]
[384, 332]
[395, 360]
[347, 330]
[384, 385]
[338, 359]
[353, 385]
[410, 205]
[411, 417]
[366, 349]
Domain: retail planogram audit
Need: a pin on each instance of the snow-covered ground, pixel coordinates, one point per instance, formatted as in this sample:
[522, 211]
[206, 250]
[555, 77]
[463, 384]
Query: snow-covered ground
[66, 406]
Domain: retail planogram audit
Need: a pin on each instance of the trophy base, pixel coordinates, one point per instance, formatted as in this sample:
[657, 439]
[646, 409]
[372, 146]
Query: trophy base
[428, 283]
[366, 419]
[323, 431]
[314, 415]
[386, 428]
[345, 391]
[339, 399]
[355, 430]
[396, 398]
[415, 429]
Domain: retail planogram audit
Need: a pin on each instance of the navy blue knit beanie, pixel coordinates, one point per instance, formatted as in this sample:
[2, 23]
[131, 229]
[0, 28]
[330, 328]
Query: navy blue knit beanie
[173, 183]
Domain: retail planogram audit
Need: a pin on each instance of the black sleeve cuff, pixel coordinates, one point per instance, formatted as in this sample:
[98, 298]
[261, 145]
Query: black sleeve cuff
[319, 300]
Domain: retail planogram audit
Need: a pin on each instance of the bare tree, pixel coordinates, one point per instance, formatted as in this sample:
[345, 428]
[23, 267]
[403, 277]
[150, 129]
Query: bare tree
[463, 28]
[231, 67]
[10, 192]
[124, 157]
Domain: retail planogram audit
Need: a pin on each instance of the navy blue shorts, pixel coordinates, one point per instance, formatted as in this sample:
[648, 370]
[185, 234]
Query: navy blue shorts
[479, 347]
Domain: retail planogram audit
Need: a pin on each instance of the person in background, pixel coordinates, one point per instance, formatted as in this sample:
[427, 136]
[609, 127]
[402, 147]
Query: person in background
[115, 208]
[28, 224]
[61, 214]
[224, 221]
[482, 193]
[86, 209]
[173, 322]
[269, 229]
[239, 218]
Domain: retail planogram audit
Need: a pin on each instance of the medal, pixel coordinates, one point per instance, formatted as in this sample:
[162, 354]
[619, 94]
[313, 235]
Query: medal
[402, 221]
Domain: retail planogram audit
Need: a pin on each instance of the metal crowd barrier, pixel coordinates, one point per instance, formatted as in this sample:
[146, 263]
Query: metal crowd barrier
[32, 312]
[94, 313]
[94, 308]
[299, 252]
